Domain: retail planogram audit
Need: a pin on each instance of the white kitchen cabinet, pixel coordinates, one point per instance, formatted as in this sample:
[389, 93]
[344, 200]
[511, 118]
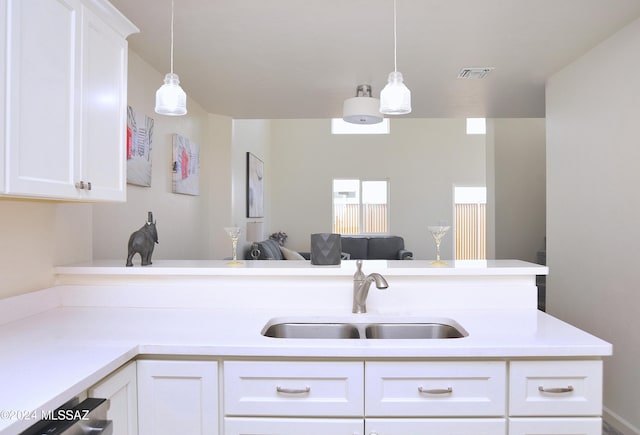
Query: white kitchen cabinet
[399, 397]
[177, 397]
[120, 388]
[436, 426]
[555, 426]
[555, 388]
[294, 388]
[435, 388]
[555, 394]
[104, 111]
[63, 109]
[293, 426]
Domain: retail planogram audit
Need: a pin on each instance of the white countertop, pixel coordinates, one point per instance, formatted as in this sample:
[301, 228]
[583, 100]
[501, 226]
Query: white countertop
[304, 268]
[58, 342]
[52, 356]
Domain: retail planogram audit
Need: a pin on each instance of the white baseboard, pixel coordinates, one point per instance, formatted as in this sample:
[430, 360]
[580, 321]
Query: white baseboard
[619, 423]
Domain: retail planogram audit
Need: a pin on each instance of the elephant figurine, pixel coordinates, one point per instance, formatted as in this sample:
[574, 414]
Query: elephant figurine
[142, 242]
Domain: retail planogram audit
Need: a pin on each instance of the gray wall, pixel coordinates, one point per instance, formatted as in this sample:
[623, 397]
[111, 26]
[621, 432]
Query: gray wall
[189, 227]
[520, 183]
[422, 159]
[593, 209]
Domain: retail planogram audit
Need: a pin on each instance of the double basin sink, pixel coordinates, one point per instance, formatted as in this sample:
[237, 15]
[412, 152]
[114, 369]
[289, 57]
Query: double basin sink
[332, 328]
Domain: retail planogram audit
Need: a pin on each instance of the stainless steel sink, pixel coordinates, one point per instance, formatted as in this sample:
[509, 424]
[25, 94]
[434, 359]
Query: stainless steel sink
[412, 331]
[312, 330]
[334, 329]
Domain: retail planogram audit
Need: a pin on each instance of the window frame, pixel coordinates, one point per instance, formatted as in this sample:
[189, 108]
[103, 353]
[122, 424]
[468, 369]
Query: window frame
[360, 222]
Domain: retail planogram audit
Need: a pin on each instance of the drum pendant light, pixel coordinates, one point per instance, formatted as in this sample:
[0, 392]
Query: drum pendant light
[363, 108]
[170, 98]
[395, 98]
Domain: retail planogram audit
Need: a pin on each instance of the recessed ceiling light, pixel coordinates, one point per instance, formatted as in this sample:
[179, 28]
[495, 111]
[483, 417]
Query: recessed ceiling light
[475, 73]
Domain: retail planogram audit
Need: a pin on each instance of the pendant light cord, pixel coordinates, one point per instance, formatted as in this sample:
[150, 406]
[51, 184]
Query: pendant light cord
[395, 38]
[172, 36]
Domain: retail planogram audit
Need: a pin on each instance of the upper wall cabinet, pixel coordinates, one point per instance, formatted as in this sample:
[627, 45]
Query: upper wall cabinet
[63, 105]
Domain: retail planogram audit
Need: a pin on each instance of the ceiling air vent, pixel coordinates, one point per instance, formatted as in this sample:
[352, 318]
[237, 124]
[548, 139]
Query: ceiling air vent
[474, 73]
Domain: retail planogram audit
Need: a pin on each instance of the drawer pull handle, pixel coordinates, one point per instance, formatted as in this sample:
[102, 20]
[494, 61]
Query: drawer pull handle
[555, 390]
[284, 390]
[448, 390]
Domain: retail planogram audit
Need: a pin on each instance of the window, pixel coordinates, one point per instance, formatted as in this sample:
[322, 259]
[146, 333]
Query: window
[470, 227]
[476, 126]
[360, 206]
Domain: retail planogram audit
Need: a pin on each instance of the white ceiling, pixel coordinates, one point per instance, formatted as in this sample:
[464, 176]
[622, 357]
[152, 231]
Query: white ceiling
[303, 58]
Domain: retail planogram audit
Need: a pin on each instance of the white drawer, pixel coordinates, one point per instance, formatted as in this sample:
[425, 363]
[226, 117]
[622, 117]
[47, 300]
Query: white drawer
[554, 388]
[292, 426]
[436, 426]
[304, 388]
[555, 426]
[476, 388]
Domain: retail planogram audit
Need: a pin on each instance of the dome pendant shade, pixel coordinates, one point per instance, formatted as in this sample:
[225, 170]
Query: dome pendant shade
[170, 98]
[363, 108]
[395, 98]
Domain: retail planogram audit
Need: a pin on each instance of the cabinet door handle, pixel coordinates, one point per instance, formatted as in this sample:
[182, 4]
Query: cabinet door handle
[447, 390]
[567, 389]
[81, 185]
[285, 390]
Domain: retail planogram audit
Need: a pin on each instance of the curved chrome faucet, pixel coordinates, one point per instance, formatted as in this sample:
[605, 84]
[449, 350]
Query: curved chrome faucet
[361, 284]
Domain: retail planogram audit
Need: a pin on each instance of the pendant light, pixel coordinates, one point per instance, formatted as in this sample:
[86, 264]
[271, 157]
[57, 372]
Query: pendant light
[395, 98]
[363, 108]
[170, 98]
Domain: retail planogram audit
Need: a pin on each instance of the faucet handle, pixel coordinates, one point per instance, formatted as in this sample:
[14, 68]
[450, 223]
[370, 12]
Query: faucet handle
[359, 275]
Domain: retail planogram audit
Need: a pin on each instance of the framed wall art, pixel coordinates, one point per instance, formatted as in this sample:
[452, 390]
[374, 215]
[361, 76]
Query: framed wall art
[255, 186]
[139, 145]
[186, 166]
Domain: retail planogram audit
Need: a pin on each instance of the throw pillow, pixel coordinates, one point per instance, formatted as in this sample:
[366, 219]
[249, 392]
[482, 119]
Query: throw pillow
[289, 254]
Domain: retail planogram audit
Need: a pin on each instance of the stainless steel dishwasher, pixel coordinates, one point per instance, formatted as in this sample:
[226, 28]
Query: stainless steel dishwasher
[73, 418]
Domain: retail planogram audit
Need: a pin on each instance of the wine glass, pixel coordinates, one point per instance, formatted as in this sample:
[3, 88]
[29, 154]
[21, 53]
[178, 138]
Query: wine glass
[438, 232]
[234, 233]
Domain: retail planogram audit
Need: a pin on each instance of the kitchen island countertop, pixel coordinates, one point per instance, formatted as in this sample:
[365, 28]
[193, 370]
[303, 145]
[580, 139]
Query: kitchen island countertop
[58, 342]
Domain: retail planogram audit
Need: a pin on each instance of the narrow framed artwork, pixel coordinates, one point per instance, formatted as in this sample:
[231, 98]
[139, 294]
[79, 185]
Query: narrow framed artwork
[185, 166]
[255, 186]
[139, 146]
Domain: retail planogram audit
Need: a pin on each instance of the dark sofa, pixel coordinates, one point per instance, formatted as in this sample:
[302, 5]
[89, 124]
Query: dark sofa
[271, 250]
[353, 248]
[375, 248]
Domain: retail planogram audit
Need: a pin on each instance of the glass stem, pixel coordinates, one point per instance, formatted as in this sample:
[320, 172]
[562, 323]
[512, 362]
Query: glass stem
[234, 244]
[437, 251]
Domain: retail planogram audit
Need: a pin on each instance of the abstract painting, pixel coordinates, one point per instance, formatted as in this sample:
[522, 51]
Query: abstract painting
[139, 145]
[255, 187]
[186, 166]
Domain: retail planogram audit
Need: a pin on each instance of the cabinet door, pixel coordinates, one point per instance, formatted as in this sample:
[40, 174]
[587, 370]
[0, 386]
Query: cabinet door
[104, 89]
[435, 388]
[43, 97]
[436, 426]
[555, 388]
[293, 388]
[121, 390]
[4, 23]
[555, 426]
[177, 397]
[293, 426]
